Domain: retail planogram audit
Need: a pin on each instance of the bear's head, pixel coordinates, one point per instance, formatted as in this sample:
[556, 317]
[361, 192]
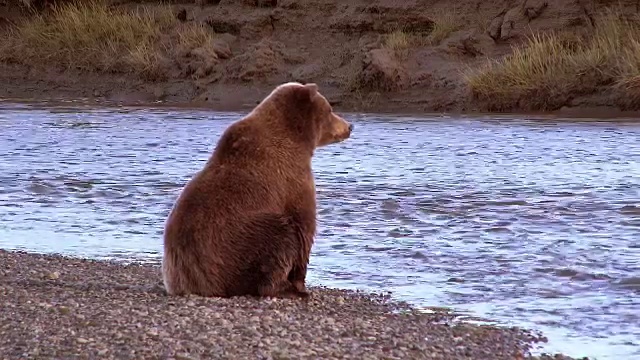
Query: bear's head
[306, 114]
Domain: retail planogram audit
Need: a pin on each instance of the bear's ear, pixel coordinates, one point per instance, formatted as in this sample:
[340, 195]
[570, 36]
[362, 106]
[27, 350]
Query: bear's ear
[313, 88]
[305, 94]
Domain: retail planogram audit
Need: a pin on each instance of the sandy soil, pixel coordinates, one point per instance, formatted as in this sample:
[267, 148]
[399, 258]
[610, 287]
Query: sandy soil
[338, 45]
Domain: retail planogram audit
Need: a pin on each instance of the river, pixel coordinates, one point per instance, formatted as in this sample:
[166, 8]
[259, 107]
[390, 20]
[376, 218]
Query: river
[526, 222]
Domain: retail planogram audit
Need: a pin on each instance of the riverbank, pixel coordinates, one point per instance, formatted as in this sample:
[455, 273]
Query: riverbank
[426, 56]
[56, 307]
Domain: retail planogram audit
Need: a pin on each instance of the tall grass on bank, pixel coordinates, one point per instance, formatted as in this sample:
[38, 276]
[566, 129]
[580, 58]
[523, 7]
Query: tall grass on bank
[92, 36]
[552, 68]
[629, 80]
[87, 35]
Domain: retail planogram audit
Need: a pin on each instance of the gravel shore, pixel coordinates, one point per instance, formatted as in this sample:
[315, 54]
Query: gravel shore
[54, 307]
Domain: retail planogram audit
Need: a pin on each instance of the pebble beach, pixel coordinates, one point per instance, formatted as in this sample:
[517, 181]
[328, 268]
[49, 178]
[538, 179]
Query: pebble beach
[55, 307]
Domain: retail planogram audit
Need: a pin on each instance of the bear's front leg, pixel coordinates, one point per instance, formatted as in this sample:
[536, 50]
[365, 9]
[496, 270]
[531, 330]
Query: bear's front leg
[297, 277]
[276, 284]
[301, 210]
[277, 262]
[305, 224]
[281, 290]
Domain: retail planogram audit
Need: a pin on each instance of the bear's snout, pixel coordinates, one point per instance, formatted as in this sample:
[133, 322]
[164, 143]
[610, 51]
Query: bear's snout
[344, 129]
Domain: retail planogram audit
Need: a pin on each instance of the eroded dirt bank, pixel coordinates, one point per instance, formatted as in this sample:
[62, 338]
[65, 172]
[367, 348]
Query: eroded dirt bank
[380, 56]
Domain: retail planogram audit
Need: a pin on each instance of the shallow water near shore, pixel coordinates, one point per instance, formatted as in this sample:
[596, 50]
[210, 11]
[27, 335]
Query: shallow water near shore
[528, 223]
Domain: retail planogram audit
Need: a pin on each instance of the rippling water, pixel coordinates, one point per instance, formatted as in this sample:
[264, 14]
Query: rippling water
[533, 223]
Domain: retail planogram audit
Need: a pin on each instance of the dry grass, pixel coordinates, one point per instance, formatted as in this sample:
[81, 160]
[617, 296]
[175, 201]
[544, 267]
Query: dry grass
[91, 36]
[146, 61]
[445, 23]
[400, 41]
[198, 40]
[630, 78]
[195, 36]
[552, 68]
[87, 36]
[397, 41]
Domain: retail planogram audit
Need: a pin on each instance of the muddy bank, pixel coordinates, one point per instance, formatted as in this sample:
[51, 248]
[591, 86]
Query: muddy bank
[57, 307]
[385, 56]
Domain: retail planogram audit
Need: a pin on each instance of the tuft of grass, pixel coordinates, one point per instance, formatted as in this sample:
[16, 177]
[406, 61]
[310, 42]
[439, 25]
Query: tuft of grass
[551, 68]
[445, 23]
[195, 36]
[397, 40]
[197, 39]
[92, 36]
[147, 62]
[400, 41]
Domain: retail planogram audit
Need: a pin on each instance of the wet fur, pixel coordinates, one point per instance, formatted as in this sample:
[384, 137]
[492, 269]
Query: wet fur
[245, 224]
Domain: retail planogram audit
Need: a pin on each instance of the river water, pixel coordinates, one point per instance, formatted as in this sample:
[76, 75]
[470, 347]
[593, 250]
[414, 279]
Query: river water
[530, 223]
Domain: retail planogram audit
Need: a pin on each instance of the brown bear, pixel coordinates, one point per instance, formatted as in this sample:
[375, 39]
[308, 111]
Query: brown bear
[246, 222]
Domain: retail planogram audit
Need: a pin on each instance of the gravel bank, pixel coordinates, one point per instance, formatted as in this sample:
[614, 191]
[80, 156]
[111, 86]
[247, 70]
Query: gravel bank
[64, 308]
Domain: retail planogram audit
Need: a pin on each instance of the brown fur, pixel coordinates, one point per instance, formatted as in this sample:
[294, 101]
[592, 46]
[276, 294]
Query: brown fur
[245, 224]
